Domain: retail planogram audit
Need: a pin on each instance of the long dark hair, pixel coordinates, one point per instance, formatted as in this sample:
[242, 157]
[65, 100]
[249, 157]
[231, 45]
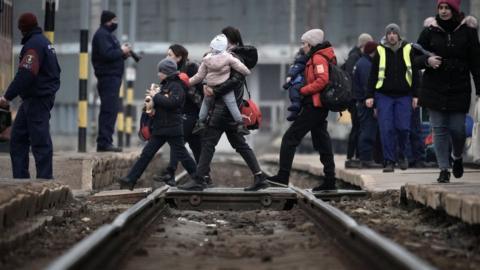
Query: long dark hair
[233, 35]
[179, 50]
[457, 16]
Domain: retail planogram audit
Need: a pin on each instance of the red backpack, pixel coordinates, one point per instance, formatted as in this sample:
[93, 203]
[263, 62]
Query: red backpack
[252, 116]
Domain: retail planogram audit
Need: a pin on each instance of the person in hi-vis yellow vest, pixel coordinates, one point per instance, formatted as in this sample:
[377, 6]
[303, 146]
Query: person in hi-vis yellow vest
[392, 88]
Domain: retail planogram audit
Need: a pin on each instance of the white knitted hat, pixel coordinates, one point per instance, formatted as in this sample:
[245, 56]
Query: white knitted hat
[313, 36]
[219, 43]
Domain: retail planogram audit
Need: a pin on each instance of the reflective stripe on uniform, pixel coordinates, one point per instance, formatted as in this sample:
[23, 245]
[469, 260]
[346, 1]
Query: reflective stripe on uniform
[383, 62]
[381, 67]
[408, 63]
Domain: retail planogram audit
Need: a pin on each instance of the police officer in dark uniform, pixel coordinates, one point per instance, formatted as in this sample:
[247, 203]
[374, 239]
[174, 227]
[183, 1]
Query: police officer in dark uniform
[36, 82]
[107, 59]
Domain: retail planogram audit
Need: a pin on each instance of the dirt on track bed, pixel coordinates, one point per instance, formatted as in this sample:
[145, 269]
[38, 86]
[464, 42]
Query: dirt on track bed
[443, 241]
[235, 240]
[70, 224]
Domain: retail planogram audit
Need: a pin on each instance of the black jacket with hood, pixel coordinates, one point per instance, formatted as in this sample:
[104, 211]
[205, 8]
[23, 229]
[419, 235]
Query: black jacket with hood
[220, 116]
[169, 102]
[448, 88]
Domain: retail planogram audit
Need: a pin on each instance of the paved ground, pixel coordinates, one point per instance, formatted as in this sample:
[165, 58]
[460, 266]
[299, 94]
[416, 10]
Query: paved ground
[460, 198]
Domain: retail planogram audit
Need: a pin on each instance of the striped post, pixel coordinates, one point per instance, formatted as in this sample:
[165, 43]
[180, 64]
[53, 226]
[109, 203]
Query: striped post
[129, 112]
[49, 27]
[120, 117]
[83, 79]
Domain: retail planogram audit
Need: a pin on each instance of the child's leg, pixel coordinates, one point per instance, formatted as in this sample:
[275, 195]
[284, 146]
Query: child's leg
[295, 98]
[232, 106]
[206, 102]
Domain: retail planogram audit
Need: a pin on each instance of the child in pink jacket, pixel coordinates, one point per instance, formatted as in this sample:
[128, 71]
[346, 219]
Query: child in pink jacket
[215, 69]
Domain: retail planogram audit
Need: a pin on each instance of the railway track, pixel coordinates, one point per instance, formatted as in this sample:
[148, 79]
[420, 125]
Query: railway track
[107, 247]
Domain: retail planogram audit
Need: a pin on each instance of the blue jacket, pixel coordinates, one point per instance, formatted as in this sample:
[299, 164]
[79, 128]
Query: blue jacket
[107, 55]
[361, 74]
[296, 70]
[38, 72]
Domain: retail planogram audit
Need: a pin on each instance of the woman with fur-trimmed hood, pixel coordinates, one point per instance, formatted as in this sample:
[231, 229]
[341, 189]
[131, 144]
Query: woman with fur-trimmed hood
[453, 42]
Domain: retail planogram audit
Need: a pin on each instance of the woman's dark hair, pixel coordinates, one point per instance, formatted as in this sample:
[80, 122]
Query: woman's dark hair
[233, 35]
[179, 50]
[457, 16]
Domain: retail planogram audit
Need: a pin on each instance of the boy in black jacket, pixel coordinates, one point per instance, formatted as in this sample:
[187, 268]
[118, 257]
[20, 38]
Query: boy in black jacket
[167, 124]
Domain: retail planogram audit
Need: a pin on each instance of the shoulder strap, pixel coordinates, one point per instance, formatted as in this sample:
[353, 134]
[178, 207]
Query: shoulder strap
[246, 87]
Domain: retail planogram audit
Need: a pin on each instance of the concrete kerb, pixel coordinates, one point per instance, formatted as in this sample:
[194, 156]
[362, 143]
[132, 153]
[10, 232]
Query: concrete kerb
[88, 171]
[29, 198]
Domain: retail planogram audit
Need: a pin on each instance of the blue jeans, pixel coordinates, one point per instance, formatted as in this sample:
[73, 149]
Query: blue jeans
[177, 146]
[448, 133]
[367, 131]
[394, 116]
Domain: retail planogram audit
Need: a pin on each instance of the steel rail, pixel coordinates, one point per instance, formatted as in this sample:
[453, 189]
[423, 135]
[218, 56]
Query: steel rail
[100, 249]
[103, 248]
[364, 243]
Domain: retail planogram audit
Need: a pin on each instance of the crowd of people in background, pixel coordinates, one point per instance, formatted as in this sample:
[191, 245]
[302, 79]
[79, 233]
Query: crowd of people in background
[391, 80]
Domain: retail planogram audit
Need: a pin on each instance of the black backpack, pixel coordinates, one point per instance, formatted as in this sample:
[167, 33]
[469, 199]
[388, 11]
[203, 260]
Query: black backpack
[337, 95]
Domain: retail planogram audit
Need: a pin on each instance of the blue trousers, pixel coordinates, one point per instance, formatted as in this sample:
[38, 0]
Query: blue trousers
[108, 90]
[367, 131]
[177, 146]
[394, 116]
[448, 133]
[31, 128]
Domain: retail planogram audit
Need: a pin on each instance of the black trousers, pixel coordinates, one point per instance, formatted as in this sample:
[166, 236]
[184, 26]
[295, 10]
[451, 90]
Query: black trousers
[312, 120]
[194, 141]
[210, 139]
[108, 90]
[176, 144]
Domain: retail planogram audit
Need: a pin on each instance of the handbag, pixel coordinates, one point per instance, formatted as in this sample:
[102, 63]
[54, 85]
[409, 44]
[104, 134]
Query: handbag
[251, 114]
[474, 150]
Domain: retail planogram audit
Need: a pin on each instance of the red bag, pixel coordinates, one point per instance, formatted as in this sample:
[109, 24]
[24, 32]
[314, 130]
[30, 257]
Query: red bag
[252, 116]
[185, 79]
[145, 130]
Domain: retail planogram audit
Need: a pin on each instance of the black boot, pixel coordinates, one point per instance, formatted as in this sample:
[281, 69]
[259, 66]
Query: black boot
[208, 181]
[126, 183]
[195, 183]
[370, 164]
[403, 164]
[444, 176]
[278, 179]
[328, 184]
[457, 168]
[168, 177]
[259, 182]
[353, 164]
[388, 166]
